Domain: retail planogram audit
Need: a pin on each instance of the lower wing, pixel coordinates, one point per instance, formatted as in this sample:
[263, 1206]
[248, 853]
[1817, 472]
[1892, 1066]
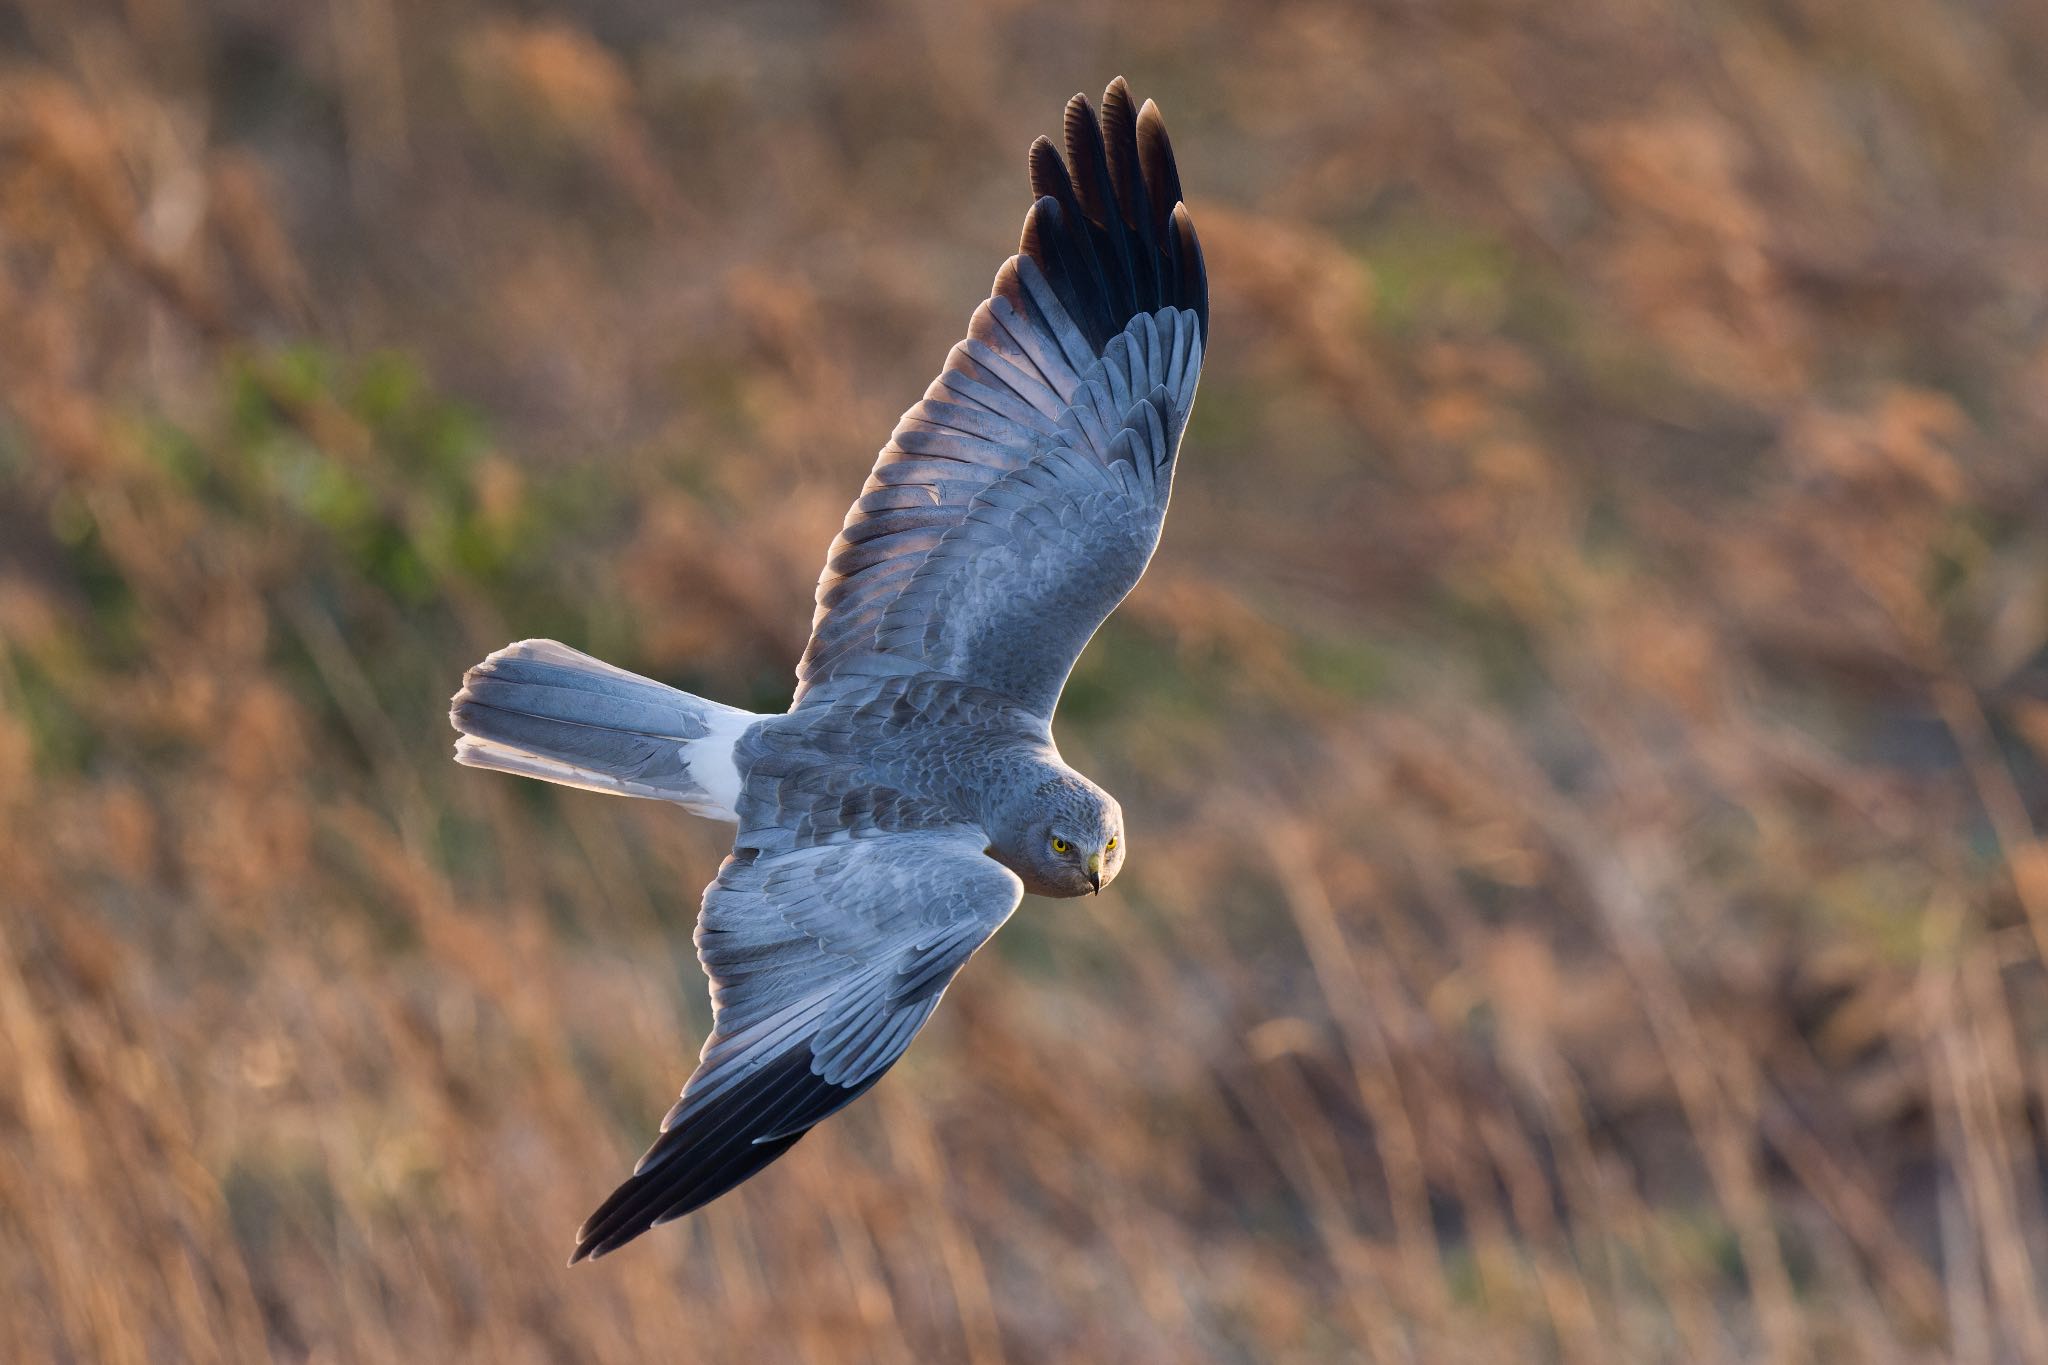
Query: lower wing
[824, 963]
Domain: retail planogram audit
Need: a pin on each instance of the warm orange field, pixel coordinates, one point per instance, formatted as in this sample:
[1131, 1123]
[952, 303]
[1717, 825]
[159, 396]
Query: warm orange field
[1584, 736]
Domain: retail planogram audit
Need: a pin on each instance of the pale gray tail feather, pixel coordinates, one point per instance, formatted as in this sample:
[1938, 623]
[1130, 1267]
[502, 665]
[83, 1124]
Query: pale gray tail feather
[541, 709]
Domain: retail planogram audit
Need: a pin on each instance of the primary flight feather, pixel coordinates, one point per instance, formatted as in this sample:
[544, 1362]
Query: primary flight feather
[892, 819]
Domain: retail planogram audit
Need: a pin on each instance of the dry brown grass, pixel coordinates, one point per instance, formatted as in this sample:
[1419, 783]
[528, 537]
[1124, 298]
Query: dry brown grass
[1586, 734]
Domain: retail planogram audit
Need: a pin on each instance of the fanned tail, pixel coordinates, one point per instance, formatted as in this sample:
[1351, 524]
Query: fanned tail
[541, 709]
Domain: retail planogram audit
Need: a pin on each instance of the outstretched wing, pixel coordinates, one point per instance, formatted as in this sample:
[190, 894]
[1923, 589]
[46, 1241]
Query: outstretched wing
[824, 963]
[1019, 502]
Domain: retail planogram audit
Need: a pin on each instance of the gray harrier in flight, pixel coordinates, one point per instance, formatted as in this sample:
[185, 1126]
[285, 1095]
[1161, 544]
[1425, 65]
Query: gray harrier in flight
[892, 819]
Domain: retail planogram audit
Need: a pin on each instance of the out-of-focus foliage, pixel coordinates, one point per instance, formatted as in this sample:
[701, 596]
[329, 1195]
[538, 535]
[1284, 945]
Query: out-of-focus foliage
[1584, 734]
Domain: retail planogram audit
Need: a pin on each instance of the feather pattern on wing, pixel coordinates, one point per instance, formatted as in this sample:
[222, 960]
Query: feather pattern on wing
[824, 963]
[1085, 357]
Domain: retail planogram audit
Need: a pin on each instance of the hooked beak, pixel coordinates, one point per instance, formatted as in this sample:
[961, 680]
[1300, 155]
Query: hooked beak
[1095, 872]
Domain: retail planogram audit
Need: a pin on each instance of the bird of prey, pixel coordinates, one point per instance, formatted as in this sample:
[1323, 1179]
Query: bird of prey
[892, 819]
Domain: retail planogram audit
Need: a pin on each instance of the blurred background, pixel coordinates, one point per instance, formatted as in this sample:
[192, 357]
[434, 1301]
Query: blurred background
[1585, 734]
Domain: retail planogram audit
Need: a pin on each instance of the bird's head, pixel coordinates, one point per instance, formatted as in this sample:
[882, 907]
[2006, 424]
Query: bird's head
[1068, 840]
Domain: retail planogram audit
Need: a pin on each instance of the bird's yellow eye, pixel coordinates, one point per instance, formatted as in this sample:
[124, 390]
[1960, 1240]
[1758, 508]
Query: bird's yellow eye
[1110, 847]
[1059, 845]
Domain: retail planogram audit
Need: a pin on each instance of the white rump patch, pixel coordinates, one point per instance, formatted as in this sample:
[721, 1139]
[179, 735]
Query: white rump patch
[711, 763]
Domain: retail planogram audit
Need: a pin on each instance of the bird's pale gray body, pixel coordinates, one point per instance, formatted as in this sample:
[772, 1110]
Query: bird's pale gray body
[891, 820]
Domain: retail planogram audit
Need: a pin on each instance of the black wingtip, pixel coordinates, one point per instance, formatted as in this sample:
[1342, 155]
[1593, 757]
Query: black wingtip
[705, 1168]
[1108, 227]
[715, 1147]
[1048, 172]
[1155, 154]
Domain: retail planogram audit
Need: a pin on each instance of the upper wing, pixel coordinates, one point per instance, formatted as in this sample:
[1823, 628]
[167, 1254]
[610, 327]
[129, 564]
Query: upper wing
[1015, 506]
[824, 962]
